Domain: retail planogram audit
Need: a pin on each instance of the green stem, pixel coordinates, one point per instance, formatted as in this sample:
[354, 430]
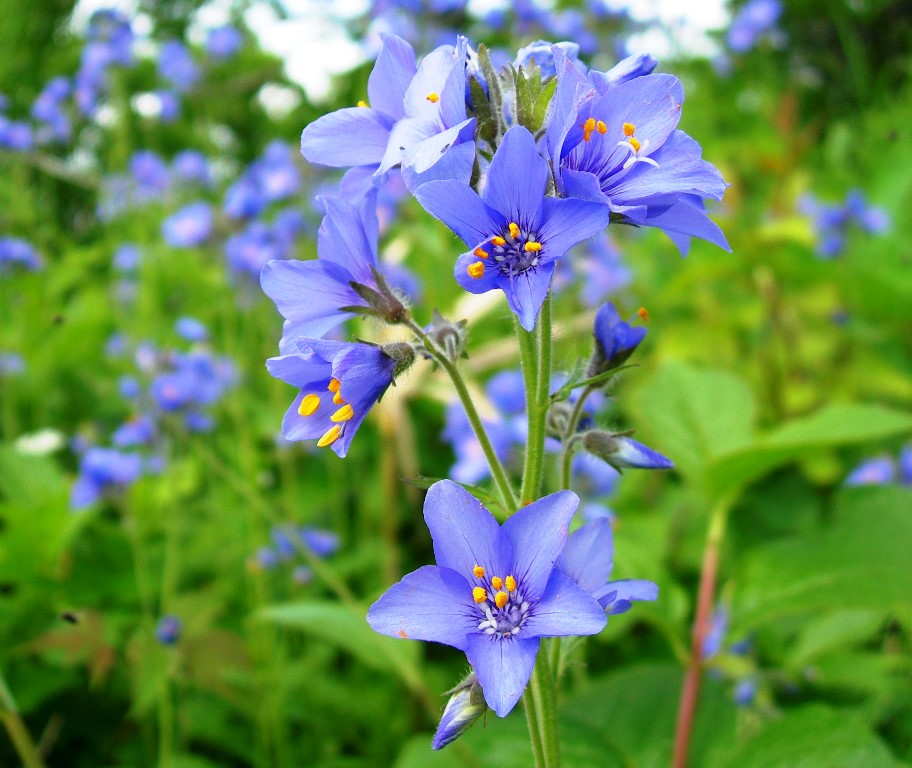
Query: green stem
[567, 448]
[528, 355]
[18, 733]
[531, 709]
[507, 497]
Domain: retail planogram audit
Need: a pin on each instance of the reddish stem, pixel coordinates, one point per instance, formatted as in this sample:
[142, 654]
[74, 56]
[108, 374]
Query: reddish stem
[691, 690]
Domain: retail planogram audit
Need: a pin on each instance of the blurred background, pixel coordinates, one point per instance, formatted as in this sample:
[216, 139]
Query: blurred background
[181, 587]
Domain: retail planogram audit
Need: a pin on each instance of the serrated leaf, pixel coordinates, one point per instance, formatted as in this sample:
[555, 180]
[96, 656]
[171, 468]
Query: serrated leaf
[347, 628]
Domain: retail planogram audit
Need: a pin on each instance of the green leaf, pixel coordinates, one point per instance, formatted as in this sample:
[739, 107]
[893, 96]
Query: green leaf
[834, 630]
[693, 415]
[839, 424]
[540, 109]
[812, 737]
[859, 561]
[346, 627]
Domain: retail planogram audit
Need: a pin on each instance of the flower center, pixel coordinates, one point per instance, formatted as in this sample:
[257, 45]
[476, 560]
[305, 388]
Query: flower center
[513, 252]
[603, 159]
[501, 606]
[311, 402]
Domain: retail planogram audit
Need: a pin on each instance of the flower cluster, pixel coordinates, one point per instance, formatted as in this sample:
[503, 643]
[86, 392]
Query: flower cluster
[884, 470]
[288, 543]
[833, 223]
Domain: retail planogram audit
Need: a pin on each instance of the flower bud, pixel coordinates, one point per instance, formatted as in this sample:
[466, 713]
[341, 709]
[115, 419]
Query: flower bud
[449, 338]
[402, 352]
[465, 706]
[615, 340]
[622, 452]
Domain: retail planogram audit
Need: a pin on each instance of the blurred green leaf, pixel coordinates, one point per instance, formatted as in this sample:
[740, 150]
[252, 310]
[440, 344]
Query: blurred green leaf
[860, 560]
[346, 628]
[812, 737]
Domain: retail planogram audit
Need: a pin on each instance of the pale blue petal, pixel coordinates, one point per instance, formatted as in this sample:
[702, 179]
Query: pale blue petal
[526, 292]
[503, 667]
[432, 604]
[346, 137]
[456, 163]
[391, 75]
[457, 206]
[568, 221]
[464, 532]
[538, 533]
[588, 556]
[565, 610]
[517, 178]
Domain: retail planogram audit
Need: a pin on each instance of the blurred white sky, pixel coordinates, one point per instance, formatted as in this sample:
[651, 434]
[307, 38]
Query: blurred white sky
[314, 45]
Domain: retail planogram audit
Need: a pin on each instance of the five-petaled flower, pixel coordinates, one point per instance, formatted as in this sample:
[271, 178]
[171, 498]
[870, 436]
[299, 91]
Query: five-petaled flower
[495, 590]
[515, 233]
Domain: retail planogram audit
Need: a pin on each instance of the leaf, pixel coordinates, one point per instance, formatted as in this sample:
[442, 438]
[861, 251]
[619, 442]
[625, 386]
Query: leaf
[834, 630]
[859, 561]
[812, 737]
[693, 415]
[834, 425]
[346, 627]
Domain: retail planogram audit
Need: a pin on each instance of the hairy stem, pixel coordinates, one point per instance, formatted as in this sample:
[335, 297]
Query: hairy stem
[567, 446]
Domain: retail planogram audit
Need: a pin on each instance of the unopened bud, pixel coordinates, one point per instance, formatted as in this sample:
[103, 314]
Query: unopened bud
[465, 706]
[449, 338]
[623, 452]
[402, 352]
[615, 340]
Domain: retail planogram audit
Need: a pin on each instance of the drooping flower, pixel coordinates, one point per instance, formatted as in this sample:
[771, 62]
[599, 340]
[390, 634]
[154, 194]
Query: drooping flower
[465, 705]
[495, 590]
[340, 382]
[623, 452]
[612, 139]
[588, 559]
[515, 233]
[316, 296]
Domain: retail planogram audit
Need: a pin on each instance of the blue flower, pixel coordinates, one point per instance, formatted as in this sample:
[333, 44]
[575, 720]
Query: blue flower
[16, 135]
[615, 340]
[340, 382]
[833, 222]
[11, 364]
[168, 630]
[495, 590]
[588, 559]
[877, 471]
[623, 452]
[358, 136]
[100, 470]
[127, 258]
[538, 54]
[137, 431]
[515, 233]
[223, 42]
[465, 705]
[616, 143]
[190, 226]
[905, 465]
[191, 329]
[176, 65]
[191, 166]
[16, 252]
[754, 19]
[315, 296]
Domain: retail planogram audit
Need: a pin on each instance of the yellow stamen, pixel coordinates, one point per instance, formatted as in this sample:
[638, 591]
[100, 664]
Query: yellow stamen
[497, 582]
[338, 399]
[500, 599]
[629, 129]
[644, 314]
[635, 144]
[480, 252]
[478, 572]
[334, 385]
[479, 594]
[362, 103]
[601, 127]
[532, 247]
[476, 270]
[511, 584]
[308, 405]
[588, 128]
[498, 240]
[343, 414]
[433, 97]
[329, 436]
[514, 230]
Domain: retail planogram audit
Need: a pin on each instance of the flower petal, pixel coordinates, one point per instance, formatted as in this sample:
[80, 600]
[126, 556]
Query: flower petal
[346, 137]
[456, 163]
[432, 604]
[616, 596]
[428, 152]
[565, 610]
[503, 667]
[652, 104]
[391, 75]
[570, 221]
[488, 281]
[688, 219]
[526, 292]
[464, 533]
[299, 370]
[588, 556]
[463, 211]
[517, 178]
[538, 533]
